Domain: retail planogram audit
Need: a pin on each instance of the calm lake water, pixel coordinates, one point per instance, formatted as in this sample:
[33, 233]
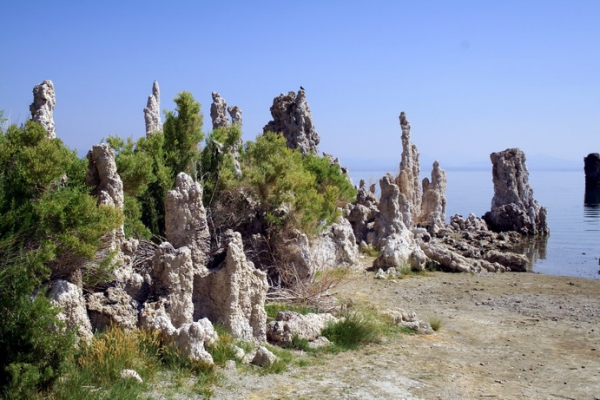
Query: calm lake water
[573, 247]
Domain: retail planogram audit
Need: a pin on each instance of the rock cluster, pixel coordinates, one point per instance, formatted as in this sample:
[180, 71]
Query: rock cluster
[152, 111]
[407, 227]
[292, 117]
[362, 213]
[513, 205]
[42, 108]
[219, 110]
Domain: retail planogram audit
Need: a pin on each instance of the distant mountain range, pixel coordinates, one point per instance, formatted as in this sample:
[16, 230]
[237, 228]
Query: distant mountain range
[534, 162]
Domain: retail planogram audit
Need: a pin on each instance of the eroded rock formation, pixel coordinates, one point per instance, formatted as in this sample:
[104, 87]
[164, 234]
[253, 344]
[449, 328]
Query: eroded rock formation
[513, 205]
[397, 248]
[234, 292]
[173, 282]
[362, 214]
[69, 297]
[409, 180]
[152, 111]
[335, 247]
[218, 112]
[42, 108]
[185, 220]
[112, 307]
[236, 115]
[433, 206]
[102, 176]
[292, 117]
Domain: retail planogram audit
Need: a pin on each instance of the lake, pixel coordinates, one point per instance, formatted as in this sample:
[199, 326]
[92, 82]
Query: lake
[573, 247]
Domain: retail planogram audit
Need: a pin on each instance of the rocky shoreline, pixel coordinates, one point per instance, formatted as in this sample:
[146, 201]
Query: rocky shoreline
[218, 263]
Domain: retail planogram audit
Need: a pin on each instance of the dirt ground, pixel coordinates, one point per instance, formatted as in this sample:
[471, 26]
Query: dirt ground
[503, 336]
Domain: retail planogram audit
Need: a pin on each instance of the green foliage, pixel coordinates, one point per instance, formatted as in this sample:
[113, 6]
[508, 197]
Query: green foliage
[352, 331]
[296, 192]
[435, 323]
[273, 309]
[48, 225]
[223, 349]
[148, 167]
[146, 181]
[2, 120]
[183, 133]
[33, 345]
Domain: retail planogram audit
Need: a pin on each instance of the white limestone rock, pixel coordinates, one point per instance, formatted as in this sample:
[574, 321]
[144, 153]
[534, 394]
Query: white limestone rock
[263, 357]
[131, 374]
[335, 247]
[408, 180]
[234, 293]
[236, 115]
[173, 281]
[152, 111]
[191, 338]
[113, 306]
[42, 108]
[292, 117]
[288, 324]
[102, 176]
[69, 297]
[185, 221]
[433, 205]
[218, 112]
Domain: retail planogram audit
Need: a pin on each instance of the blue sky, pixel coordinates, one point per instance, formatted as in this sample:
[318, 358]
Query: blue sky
[473, 76]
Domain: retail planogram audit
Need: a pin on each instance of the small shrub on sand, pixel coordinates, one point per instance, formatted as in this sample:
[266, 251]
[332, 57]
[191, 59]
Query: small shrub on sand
[353, 330]
[435, 323]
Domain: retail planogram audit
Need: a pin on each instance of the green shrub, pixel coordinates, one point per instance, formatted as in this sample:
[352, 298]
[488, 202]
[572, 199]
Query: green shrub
[435, 323]
[295, 191]
[352, 331]
[49, 225]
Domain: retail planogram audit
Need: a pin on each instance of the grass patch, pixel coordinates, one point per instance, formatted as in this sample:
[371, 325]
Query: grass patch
[435, 323]
[94, 372]
[274, 308]
[353, 330]
[223, 349]
[369, 251]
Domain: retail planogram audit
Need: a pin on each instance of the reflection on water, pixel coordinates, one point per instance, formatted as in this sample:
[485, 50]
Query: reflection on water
[534, 248]
[591, 206]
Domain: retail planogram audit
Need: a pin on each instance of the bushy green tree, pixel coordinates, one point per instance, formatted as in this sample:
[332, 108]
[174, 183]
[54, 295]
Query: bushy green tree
[183, 134]
[48, 223]
[295, 191]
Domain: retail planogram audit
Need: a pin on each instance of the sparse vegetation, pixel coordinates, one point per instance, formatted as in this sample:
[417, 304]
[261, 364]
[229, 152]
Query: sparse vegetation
[435, 323]
[353, 330]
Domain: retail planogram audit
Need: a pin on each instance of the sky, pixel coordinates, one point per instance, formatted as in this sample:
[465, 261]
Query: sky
[473, 77]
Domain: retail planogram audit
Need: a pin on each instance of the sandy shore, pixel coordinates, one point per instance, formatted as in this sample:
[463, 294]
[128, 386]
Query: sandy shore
[504, 336]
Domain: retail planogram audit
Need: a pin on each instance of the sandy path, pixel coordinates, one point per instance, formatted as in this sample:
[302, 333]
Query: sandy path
[504, 336]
